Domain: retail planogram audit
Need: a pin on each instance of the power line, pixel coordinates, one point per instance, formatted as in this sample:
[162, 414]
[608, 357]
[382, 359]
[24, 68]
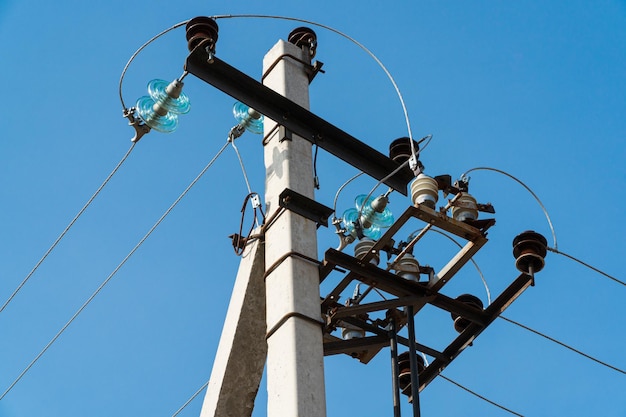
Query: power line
[543, 208]
[63, 233]
[558, 252]
[564, 345]
[351, 39]
[480, 396]
[193, 397]
[106, 281]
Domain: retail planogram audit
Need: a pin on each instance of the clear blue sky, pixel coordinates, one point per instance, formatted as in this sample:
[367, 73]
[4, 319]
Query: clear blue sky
[534, 88]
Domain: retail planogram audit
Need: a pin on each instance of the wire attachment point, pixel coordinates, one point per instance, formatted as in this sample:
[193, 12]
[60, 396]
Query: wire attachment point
[140, 127]
[256, 201]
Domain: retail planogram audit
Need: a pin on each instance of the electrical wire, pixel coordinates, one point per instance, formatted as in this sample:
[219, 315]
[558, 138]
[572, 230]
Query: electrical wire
[587, 265]
[535, 331]
[555, 249]
[341, 189]
[563, 345]
[370, 53]
[469, 390]
[243, 168]
[480, 396]
[316, 178]
[395, 171]
[112, 274]
[141, 48]
[545, 212]
[69, 226]
[260, 16]
[482, 277]
[193, 397]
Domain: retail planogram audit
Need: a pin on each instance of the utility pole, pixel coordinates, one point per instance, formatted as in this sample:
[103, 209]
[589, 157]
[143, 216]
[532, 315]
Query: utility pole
[286, 284]
[295, 356]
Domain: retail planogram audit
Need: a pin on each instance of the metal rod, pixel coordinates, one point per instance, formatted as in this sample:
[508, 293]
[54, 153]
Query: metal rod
[419, 236]
[395, 374]
[413, 361]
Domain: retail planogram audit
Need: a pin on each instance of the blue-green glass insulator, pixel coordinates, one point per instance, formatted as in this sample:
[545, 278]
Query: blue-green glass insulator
[243, 116]
[350, 218]
[382, 220]
[158, 91]
[164, 124]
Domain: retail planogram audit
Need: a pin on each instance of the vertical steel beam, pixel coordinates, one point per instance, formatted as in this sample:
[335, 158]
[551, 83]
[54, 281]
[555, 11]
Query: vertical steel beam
[395, 372]
[415, 398]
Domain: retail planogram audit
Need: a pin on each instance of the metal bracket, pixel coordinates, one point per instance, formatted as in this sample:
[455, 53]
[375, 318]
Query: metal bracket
[284, 134]
[305, 207]
[140, 127]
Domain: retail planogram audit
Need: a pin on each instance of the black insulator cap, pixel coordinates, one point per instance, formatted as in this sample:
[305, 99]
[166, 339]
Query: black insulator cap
[404, 369]
[461, 323]
[400, 149]
[201, 29]
[529, 250]
[304, 37]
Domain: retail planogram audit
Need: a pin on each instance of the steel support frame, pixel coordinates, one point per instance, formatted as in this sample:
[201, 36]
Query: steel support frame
[409, 295]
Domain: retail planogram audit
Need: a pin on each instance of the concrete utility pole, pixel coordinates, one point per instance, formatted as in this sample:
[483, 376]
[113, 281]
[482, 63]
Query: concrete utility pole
[274, 316]
[295, 360]
[242, 351]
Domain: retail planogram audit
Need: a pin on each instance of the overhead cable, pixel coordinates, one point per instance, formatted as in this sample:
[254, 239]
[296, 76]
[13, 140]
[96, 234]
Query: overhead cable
[112, 274]
[69, 226]
[141, 48]
[499, 171]
[480, 396]
[482, 277]
[558, 252]
[193, 397]
[564, 345]
[360, 45]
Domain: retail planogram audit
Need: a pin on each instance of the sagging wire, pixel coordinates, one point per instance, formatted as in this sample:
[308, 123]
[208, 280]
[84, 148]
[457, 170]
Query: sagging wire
[474, 393]
[141, 48]
[528, 328]
[193, 397]
[558, 252]
[545, 212]
[555, 249]
[563, 345]
[344, 185]
[482, 277]
[239, 240]
[231, 139]
[413, 159]
[115, 271]
[389, 191]
[370, 53]
[469, 390]
[68, 227]
[344, 239]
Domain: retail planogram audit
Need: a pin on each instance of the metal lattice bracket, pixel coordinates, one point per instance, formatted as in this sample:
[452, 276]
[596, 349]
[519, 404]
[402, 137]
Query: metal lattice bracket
[404, 293]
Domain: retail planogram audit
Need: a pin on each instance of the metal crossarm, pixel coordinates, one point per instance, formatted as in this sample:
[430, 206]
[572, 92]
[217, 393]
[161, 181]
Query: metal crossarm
[297, 119]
